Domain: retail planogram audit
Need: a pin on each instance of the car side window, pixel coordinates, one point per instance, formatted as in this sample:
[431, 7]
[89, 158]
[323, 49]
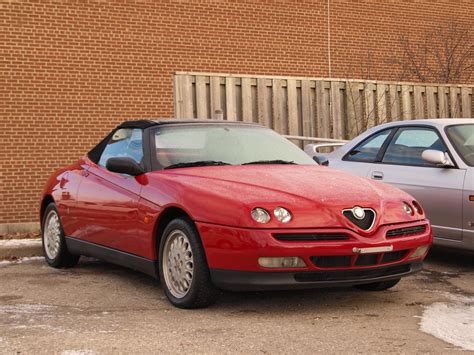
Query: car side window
[409, 143]
[125, 142]
[367, 151]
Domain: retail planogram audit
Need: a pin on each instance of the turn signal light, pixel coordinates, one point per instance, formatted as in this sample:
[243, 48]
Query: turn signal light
[420, 251]
[281, 262]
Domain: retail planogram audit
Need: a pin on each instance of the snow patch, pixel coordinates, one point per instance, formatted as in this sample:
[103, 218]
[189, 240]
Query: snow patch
[78, 352]
[25, 260]
[9, 243]
[451, 322]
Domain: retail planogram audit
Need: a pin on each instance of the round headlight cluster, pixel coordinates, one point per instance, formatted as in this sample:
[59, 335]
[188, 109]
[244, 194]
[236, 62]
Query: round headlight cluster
[412, 208]
[261, 215]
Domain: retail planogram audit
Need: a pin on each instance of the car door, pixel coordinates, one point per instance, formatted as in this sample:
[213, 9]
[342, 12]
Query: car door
[107, 205]
[468, 210]
[438, 189]
[359, 160]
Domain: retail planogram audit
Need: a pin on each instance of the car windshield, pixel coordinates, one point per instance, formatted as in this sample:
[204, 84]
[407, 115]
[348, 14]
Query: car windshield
[462, 137]
[223, 144]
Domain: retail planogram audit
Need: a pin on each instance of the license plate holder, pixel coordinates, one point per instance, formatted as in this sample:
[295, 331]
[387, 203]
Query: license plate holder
[372, 250]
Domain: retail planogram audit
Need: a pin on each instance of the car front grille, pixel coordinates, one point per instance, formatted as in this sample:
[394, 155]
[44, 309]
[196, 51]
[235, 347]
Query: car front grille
[365, 223]
[358, 260]
[298, 237]
[407, 231]
[352, 274]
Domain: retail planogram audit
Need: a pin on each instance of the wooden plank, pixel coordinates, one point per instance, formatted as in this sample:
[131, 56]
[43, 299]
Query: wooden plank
[369, 97]
[407, 113]
[177, 96]
[431, 105]
[247, 114]
[353, 104]
[293, 119]
[201, 97]
[230, 102]
[418, 101]
[381, 103]
[307, 109]
[336, 111]
[466, 102]
[455, 107]
[216, 103]
[322, 109]
[395, 113]
[185, 97]
[262, 99]
[277, 105]
[443, 102]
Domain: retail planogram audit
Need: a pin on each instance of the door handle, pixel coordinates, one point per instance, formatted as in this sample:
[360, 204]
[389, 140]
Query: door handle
[377, 175]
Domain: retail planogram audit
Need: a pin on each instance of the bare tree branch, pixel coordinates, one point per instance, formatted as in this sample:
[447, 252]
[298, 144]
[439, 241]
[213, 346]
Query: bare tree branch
[446, 55]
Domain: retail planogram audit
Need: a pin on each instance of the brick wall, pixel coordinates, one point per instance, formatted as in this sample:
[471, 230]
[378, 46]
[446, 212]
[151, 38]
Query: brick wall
[71, 71]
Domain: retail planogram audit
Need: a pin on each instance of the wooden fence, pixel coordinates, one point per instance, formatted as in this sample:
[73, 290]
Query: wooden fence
[314, 107]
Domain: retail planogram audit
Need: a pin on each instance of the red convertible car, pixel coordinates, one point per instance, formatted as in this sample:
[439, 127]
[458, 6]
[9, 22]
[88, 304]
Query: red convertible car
[206, 205]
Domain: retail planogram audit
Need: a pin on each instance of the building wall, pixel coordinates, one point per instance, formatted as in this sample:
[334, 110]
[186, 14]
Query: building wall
[71, 71]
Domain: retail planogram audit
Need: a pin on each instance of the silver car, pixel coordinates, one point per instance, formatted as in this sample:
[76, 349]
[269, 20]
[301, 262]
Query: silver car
[433, 160]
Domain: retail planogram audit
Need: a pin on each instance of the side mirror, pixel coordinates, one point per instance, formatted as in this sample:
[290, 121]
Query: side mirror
[311, 149]
[436, 157]
[124, 166]
[321, 160]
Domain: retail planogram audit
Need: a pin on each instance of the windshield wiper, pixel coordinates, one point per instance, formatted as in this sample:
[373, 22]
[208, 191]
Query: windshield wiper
[277, 161]
[197, 163]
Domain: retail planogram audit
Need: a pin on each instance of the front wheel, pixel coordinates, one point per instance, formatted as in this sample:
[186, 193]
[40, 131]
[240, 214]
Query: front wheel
[54, 244]
[378, 286]
[184, 273]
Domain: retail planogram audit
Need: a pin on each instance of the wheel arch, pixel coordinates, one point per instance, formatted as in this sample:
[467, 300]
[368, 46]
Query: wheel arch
[47, 199]
[166, 216]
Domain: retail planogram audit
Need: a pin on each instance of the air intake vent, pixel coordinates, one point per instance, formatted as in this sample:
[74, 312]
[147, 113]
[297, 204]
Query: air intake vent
[403, 232]
[365, 223]
[332, 261]
[297, 237]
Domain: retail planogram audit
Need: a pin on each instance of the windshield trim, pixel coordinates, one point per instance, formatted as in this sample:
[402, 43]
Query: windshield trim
[454, 145]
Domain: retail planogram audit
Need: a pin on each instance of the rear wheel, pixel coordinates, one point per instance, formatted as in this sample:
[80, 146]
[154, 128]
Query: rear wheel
[54, 244]
[378, 286]
[184, 273]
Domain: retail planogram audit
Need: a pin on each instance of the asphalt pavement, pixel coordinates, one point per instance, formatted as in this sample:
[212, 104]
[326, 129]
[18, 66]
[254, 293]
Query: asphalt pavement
[98, 308]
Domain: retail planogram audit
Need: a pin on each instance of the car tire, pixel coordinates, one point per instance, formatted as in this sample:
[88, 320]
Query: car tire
[54, 244]
[183, 269]
[378, 286]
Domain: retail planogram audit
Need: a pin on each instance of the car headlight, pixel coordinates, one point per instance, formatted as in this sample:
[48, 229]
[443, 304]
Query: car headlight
[260, 215]
[408, 209]
[282, 214]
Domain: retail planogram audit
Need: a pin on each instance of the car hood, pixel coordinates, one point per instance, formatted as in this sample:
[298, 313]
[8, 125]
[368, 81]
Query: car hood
[315, 195]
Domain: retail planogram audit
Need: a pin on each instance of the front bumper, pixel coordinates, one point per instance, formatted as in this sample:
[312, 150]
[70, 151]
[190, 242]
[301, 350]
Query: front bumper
[232, 255]
[258, 281]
